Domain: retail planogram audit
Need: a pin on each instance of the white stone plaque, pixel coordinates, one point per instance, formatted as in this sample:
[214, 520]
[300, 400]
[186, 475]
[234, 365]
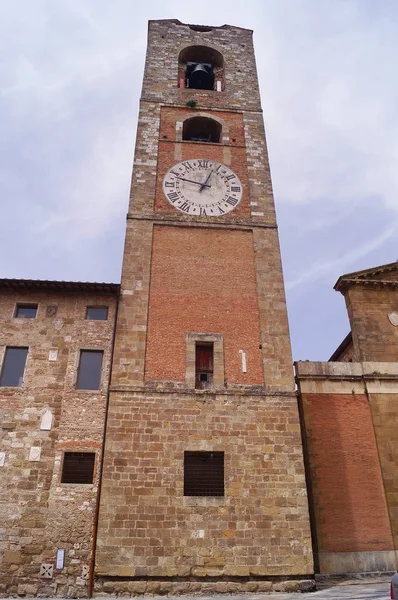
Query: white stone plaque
[34, 454]
[243, 358]
[53, 355]
[60, 558]
[46, 571]
[46, 421]
[393, 318]
[198, 534]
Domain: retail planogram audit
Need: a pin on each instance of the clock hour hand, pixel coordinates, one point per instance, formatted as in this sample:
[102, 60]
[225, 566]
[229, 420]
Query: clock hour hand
[192, 181]
[205, 183]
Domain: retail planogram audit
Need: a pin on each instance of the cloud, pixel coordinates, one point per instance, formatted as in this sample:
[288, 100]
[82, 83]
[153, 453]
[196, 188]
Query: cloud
[323, 269]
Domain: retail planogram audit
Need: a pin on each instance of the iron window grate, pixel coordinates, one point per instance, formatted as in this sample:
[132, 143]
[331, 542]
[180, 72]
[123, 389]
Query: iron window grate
[203, 473]
[78, 467]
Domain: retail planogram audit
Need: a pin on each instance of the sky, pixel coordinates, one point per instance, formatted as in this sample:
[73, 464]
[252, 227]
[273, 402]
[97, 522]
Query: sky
[70, 82]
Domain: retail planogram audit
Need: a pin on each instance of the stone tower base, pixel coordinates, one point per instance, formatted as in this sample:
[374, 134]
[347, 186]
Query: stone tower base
[167, 587]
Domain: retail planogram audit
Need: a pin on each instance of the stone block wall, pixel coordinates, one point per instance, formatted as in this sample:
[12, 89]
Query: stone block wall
[150, 529]
[41, 420]
[374, 337]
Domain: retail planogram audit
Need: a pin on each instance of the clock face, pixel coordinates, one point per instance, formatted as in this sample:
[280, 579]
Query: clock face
[202, 187]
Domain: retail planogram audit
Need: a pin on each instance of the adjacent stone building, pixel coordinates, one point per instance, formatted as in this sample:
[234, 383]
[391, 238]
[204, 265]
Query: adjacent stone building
[349, 412]
[56, 344]
[152, 440]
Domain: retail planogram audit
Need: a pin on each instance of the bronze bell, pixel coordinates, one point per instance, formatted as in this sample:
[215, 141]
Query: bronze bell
[200, 67]
[200, 78]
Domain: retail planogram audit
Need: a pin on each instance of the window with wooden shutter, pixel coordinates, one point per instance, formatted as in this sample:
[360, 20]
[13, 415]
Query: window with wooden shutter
[204, 356]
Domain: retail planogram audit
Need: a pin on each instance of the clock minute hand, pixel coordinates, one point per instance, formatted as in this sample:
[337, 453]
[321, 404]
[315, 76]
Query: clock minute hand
[205, 183]
[192, 181]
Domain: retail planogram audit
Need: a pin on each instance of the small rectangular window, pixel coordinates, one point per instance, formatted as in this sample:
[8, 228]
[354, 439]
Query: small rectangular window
[89, 373]
[203, 473]
[13, 367]
[97, 313]
[26, 311]
[78, 467]
[204, 365]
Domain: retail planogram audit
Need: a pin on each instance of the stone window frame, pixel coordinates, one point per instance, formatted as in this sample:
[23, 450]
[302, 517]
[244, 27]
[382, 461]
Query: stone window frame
[224, 138]
[218, 359]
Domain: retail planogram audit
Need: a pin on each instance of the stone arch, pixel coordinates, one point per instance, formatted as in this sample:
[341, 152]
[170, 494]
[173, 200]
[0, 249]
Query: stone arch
[201, 129]
[223, 126]
[201, 68]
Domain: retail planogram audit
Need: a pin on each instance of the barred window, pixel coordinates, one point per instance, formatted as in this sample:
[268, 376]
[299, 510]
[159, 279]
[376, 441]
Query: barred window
[78, 467]
[203, 473]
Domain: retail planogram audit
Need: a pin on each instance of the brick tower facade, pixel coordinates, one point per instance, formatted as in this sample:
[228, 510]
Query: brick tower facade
[203, 470]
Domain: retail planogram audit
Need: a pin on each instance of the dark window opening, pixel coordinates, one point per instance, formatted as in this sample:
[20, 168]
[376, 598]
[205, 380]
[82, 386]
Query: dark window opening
[97, 313]
[89, 373]
[204, 365]
[26, 311]
[78, 467]
[203, 473]
[13, 367]
[201, 129]
[201, 68]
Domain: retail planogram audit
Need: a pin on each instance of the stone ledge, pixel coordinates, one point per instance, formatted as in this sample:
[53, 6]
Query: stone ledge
[104, 588]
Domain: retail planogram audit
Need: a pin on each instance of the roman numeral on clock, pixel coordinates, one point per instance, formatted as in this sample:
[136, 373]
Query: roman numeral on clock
[187, 165]
[232, 201]
[173, 196]
[185, 206]
[235, 188]
[169, 183]
[203, 163]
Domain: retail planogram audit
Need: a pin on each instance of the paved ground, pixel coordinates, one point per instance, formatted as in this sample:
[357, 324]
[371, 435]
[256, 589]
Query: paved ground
[356, 591]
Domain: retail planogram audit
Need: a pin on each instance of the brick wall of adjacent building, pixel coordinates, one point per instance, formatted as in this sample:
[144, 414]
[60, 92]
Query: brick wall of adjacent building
[350, 472]
[39, 514]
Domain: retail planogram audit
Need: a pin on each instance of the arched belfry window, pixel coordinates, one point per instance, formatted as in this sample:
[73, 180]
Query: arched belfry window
[201, 68]
[201, 129]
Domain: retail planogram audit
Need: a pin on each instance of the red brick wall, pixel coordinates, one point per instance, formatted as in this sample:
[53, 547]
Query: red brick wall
[202, 280]
[350, 507]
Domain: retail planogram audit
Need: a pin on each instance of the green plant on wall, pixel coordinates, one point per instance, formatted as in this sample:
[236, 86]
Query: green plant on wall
[191, 103]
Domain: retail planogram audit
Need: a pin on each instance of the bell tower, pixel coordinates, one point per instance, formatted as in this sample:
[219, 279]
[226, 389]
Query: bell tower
[203, 473]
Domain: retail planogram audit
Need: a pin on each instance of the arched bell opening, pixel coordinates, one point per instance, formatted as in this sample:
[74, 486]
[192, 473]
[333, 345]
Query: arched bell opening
[201, 68]
[201, 129]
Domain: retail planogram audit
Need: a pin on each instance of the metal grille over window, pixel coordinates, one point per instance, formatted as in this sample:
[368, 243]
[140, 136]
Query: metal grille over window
[78, 467]
[203, 473]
